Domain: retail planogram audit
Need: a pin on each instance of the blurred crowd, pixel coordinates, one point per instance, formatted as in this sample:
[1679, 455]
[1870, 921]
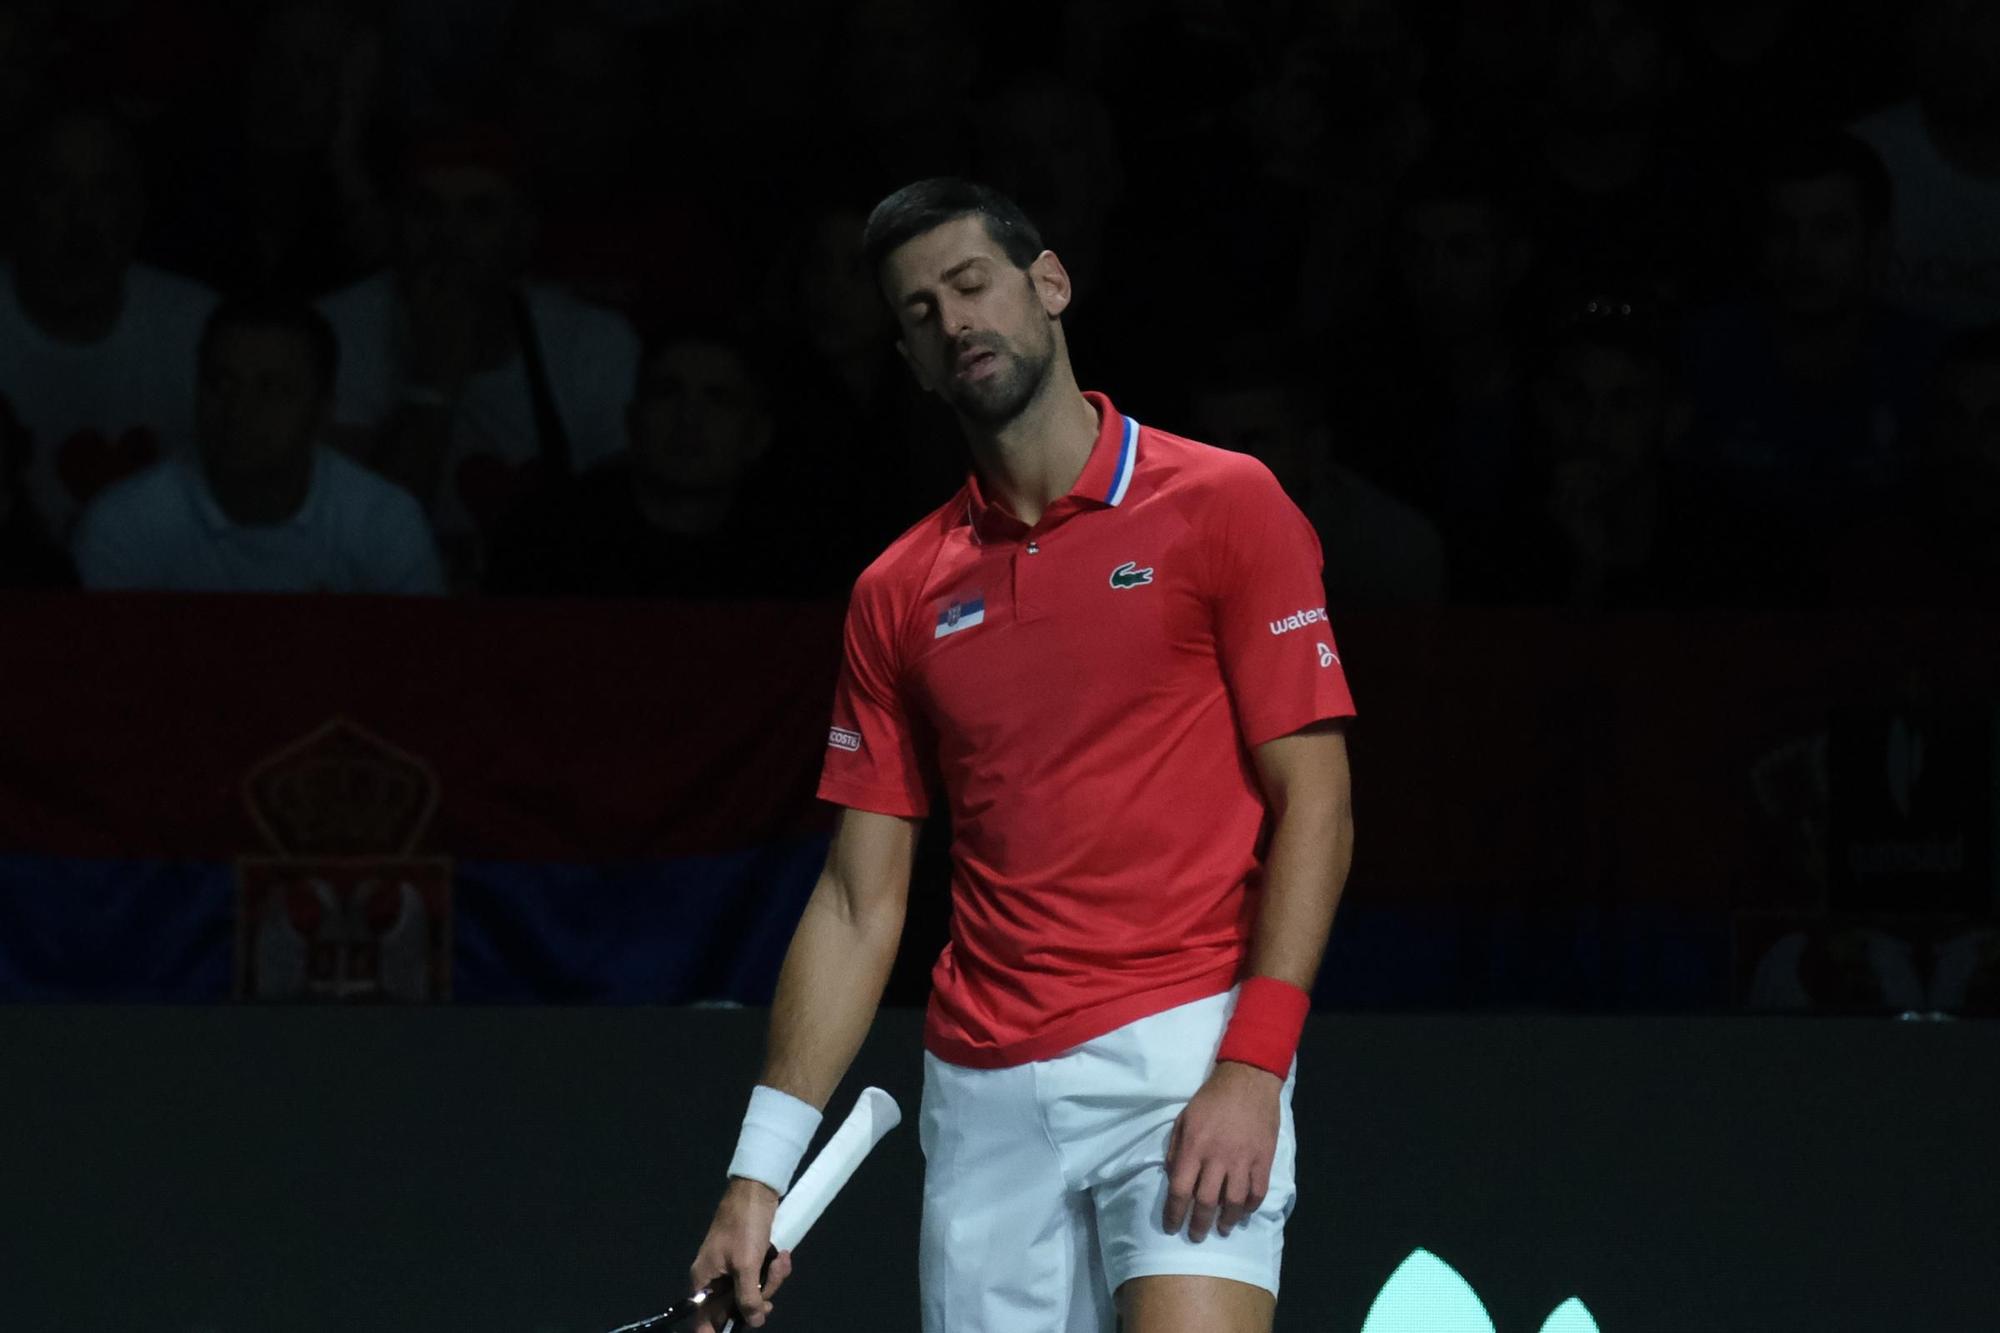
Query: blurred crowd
[1601, 303]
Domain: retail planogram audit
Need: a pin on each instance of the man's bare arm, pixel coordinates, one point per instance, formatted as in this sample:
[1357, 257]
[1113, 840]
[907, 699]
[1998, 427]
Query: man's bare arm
[1305, 779]
[828, 991]
[1219, 1159]
[840, 957]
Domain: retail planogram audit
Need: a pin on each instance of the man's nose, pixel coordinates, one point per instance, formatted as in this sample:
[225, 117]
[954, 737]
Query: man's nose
[955, 318]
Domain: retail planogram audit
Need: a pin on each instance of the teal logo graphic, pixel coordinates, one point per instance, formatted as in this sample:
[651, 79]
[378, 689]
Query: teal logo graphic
[1129, 575]
[1426, 1295]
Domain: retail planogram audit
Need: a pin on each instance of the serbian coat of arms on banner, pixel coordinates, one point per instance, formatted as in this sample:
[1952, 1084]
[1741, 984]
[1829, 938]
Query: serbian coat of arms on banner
[342, 908]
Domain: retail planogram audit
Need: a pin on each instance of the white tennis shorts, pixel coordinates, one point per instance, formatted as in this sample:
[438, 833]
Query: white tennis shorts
[1045, 1184]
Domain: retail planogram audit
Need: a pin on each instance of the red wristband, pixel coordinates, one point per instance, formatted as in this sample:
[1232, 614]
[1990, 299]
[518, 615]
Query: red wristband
[1264, 1030]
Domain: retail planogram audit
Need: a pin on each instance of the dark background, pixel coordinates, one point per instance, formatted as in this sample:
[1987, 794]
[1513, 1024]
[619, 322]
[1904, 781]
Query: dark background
[1651, 338]
[543, 1171]
[1636, 362]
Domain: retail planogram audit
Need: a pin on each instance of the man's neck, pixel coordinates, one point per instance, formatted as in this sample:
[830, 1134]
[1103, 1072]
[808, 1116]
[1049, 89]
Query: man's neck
[1034, 459]
[80, 321]
[261, 499]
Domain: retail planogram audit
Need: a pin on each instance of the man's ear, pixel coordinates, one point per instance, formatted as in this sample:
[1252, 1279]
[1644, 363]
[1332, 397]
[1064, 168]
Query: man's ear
[1051, 283]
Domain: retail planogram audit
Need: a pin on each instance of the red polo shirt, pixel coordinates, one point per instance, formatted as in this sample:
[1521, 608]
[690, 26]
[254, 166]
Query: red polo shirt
[1089, 689]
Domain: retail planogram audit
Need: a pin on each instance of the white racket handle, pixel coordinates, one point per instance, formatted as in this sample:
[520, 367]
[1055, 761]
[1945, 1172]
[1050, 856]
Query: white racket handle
[875, 1113]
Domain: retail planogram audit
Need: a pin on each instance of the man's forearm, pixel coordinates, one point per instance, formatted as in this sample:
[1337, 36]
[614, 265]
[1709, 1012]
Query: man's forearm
[1305, 870]
[828, 991]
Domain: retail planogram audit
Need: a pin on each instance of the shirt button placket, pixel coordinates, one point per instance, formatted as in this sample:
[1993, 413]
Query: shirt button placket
[1025, 600]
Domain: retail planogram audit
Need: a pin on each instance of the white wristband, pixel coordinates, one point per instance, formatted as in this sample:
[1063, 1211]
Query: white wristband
[777, 1129]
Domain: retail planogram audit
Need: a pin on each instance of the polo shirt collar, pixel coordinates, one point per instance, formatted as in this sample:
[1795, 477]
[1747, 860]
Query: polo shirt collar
[1106, 477]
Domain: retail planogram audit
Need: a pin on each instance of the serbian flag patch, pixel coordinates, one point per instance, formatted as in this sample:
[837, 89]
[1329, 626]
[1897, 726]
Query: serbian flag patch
[960, 615]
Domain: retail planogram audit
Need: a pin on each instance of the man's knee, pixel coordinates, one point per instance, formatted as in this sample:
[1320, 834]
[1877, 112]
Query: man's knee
[1184, 1303]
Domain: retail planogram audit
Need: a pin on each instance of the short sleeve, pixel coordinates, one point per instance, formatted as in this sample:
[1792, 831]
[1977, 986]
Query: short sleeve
[874, 758]
[1278, 652]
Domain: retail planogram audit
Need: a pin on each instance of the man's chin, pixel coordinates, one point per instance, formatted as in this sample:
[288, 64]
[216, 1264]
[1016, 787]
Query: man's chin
[988, 409]
[995, 401]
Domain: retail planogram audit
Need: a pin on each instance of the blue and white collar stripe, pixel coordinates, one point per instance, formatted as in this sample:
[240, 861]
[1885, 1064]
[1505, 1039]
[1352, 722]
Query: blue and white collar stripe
[1128, 463]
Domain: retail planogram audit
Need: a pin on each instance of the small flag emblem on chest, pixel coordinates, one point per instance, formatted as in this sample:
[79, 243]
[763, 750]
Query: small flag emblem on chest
[960, 615]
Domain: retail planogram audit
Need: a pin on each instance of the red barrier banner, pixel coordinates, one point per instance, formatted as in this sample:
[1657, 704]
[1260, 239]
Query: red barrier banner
[1504, 756]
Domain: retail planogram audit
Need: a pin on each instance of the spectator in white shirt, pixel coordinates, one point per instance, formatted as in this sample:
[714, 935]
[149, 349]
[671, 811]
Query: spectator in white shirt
[93, 347]
[471, 387]
[264, 506]
[1942, 148]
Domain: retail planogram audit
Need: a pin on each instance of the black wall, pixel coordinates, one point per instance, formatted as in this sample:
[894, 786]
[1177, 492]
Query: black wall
[215, 1170]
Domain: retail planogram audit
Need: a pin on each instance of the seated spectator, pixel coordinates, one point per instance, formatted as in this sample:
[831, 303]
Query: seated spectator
[264, 506]
[1431, 398]
[459, 380]
[1807, 398]
[683, 513]
[28, 559]
[1603, 521]
[274, 190]
[610, 226]
[93, 346]
[1942, 149]
[1941, 546]
[891, 450]
[1378, 550]
[1623, 197]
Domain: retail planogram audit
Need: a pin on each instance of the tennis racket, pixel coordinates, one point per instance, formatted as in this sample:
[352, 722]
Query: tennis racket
[875, 1113]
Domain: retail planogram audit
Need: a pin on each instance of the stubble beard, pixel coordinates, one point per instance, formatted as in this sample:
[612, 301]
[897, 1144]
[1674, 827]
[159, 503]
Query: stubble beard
[1005, 394]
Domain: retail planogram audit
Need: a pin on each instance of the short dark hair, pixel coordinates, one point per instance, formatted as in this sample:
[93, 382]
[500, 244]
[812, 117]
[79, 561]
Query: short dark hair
[928, 204]
[1814, 154]
[297, 318]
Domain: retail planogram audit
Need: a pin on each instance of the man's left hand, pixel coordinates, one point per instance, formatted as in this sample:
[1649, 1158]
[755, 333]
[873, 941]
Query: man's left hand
[1219, 1159]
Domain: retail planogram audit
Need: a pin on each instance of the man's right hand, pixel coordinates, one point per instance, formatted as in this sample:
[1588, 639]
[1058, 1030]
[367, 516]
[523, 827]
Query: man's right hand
[737, 1241]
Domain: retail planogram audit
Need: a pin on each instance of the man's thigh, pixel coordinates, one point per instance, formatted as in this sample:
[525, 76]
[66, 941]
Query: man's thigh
[1007, 1246]
[1114, 1118]
[1178, 1303]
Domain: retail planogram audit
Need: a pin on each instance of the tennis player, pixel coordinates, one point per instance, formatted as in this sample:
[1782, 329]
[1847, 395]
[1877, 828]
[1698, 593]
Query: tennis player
[1112, 650]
